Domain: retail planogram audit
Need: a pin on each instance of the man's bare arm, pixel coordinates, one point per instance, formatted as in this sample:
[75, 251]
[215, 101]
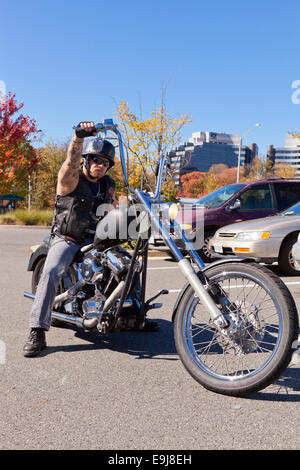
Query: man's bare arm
[68, 175]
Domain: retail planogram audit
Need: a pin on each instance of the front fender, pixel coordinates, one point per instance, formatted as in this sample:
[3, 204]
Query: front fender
[214, 263]
[41, 251]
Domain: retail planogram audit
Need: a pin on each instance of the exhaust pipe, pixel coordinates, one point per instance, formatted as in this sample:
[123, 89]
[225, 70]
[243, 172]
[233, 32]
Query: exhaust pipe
[70, 292]
[85, 323]
[60, 316]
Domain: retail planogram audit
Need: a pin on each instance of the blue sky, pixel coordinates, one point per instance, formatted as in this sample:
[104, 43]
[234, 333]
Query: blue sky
[229, 64]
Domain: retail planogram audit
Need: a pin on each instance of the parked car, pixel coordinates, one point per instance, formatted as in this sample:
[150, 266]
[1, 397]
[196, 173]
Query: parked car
[235, 203]
[268, 240]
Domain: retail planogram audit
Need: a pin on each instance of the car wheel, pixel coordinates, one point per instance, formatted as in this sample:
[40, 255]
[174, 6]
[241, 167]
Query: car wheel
[285, 259]
[204, 252]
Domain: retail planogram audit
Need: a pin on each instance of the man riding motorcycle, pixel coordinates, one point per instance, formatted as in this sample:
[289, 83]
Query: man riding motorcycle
[81, 189]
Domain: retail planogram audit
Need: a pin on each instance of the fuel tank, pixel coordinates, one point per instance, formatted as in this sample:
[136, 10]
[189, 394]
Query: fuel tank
[119, 225]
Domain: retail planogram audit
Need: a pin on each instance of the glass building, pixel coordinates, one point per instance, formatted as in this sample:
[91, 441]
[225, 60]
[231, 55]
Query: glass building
[205, 149]
[290, 153]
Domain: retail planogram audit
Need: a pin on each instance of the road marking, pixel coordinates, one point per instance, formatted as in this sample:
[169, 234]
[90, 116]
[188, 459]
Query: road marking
[288, 283]
[161, 267]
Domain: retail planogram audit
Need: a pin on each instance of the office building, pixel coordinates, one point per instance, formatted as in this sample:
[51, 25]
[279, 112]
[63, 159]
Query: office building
[290, 153]
[205, 149]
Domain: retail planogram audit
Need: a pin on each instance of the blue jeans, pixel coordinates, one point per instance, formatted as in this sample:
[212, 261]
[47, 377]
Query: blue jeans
[59, 258]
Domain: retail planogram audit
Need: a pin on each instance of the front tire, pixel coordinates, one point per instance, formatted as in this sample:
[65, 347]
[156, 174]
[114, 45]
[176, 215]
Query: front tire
[257, 347]
[204, 253]
[285, 260]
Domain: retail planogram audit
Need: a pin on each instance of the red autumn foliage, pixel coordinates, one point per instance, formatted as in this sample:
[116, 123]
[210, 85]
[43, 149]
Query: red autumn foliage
[192, 184]
[197, 184]
[17, 156]
[12, 131]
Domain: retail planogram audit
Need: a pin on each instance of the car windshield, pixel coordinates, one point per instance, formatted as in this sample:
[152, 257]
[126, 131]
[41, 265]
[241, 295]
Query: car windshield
[221, 195]
[293, 210]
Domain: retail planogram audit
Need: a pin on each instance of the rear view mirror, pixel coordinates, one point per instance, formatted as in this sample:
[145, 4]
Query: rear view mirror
[236, 205]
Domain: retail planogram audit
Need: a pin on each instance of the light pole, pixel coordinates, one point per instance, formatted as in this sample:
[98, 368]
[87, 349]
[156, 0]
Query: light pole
[240, 148]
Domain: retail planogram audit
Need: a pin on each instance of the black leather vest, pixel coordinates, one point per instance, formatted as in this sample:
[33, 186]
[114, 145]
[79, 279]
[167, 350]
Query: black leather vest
[75, 213]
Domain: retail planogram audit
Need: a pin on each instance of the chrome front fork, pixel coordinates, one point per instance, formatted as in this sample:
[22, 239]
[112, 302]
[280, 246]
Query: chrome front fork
[184, 264]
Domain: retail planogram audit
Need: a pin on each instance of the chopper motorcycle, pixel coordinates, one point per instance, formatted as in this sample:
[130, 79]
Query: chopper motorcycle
[235, 322]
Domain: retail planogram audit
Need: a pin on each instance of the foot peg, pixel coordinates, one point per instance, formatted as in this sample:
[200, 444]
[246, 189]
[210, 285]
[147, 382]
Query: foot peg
[157, 304]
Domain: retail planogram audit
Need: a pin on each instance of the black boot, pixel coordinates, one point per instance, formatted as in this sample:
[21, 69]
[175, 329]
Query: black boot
[35, 343]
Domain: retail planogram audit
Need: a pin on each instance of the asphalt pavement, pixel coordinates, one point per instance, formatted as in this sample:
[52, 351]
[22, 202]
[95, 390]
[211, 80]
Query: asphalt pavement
[127, 391]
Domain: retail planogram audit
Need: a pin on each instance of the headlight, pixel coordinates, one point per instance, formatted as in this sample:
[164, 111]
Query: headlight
[173, 211]
[252, 235]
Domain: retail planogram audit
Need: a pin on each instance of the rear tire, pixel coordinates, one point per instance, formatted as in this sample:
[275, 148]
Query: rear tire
[242, 360]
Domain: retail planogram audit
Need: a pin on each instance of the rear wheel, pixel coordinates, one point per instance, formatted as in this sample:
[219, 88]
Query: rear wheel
[256, 348]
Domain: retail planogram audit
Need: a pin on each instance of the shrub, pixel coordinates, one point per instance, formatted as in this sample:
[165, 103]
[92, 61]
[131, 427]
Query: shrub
[23, 217]
[9, 219]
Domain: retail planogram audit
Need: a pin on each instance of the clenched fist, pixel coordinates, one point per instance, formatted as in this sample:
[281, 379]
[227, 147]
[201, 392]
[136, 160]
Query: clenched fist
[87, 129]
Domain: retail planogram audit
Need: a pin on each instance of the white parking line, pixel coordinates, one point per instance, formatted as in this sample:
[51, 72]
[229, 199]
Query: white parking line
[175, 291]
[162, 267]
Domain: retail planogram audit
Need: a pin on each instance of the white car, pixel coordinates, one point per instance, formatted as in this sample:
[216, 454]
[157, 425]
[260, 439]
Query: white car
[269, 239]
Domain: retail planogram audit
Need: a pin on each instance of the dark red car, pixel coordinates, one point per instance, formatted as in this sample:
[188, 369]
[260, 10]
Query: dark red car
[235, 203]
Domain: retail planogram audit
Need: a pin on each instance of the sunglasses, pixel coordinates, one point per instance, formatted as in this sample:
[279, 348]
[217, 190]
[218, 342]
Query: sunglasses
[100, 161]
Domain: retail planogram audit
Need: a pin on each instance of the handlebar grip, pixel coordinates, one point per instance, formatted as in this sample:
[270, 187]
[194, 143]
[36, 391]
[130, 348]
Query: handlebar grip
[106, 124]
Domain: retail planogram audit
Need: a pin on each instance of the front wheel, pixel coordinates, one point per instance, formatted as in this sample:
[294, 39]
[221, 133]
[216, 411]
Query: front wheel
[285, 260]
[256, 347]
[205, 254]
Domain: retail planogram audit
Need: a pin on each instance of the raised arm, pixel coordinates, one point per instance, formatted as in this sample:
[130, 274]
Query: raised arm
[68, 175]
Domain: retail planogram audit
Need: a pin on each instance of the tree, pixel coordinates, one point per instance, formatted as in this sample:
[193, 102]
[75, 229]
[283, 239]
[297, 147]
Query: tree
[228, 176]
[284, 170]
[170, 192]
[192, 184]
[17, 156]
[44, 178]
[260, 168]
[218, 168]
[146, 139]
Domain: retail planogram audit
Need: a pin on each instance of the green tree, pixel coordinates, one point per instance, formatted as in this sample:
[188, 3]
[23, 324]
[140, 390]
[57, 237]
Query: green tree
[170, 191]
[44, 178]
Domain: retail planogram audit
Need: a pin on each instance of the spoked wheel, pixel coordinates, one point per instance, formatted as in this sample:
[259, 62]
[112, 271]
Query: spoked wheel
[256, 347]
